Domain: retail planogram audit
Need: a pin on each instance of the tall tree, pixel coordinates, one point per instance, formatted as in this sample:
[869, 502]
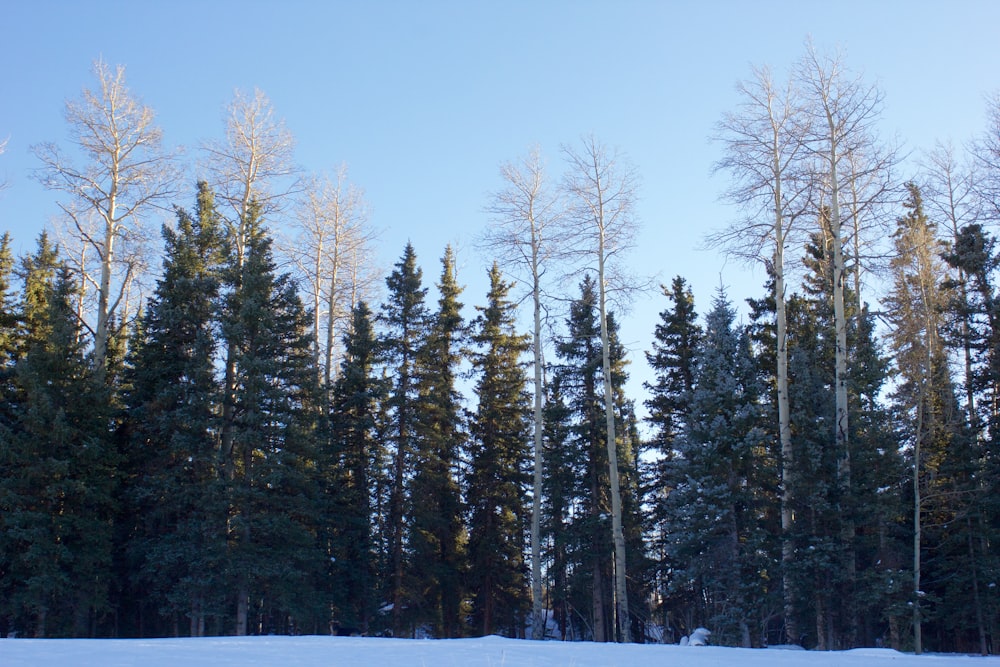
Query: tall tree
[351, 470]
[171, 403]
[405, 321]
[916, 304]
[677, 338]
[602, 187]
[436, 531]
[529, 237]
[497, 466]
[57, 470]
[717, 535]
[273, 556]
[125, 174]
[764, 155]
[841, 111]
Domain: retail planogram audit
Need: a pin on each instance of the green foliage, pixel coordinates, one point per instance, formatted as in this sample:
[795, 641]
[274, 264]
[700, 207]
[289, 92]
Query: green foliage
[498, 458]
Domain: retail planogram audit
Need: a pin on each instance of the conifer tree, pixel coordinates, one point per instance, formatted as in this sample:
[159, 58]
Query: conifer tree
[57, 471]
[498, 467]
[436, 532]
[715, 507]
[581, 379]
[350, 470]
[676, 339]
[273, 556]
[405, 319]
[172, 402]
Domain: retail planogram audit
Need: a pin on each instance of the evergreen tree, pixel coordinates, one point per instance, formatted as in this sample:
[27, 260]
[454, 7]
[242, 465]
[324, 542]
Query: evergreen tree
[676, 338]
[581, 380]
[273, 557]
[498, 473]
[405, 320]
[350, 470]
[436, 532]
[716, 505]
[177, 547]
[57, 471]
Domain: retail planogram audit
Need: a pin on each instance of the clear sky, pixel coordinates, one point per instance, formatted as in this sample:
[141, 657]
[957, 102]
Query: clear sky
[423, 99]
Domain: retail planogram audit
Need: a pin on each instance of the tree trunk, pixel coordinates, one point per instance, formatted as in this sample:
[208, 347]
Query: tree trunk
[537, 607]
[617, 532]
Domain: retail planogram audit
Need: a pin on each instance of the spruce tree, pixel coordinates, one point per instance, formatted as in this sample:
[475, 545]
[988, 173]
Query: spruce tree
[715, 507]
[57, 470]
[498, 467]
[436, 532]
[350, 469]
[405, 321]
[273, 557]
[172, 404]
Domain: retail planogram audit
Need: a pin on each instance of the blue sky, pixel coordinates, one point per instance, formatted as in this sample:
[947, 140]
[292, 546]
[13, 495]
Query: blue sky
[423, 100]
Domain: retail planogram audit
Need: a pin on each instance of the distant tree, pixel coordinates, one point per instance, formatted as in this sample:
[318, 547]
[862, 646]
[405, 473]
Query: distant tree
[949, 193]
[498, 456]
[331, 220]
[126, 175]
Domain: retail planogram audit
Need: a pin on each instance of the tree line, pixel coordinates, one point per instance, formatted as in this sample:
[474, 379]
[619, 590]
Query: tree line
[253, 450]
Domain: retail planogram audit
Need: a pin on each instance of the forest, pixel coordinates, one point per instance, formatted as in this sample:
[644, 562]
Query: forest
[243, 425]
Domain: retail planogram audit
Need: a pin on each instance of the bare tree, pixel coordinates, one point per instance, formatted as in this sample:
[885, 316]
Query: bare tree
[332, 232]
[3, 149]
[601, 186]
[528, 236]
[950, 195]
[124, 176]
[986, 152]
[256, 153]
[763, 154]
[841, 111]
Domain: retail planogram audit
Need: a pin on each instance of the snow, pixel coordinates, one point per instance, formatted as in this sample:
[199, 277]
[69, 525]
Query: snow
[485, 652]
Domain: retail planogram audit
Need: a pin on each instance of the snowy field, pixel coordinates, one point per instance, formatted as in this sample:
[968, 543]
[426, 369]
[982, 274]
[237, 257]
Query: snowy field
[486, 652]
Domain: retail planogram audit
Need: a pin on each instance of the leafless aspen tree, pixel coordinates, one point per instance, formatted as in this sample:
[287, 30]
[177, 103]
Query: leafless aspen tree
[987, 162]
[601, 187]
[528, 235]
[125, 175]
[332, 232]
[763, 154]
[840, 111]
[256, 153]
[951, 196]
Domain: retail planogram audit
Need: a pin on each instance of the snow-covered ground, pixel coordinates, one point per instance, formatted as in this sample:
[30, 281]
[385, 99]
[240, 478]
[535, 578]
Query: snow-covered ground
[486, 652]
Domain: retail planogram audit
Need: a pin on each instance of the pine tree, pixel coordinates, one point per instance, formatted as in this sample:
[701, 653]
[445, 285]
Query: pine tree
[57, 471]
[405, 320]
[273, 557]
[716, 506]
[350, 470]
[178, 547]
[436, 532]
[676, 339]
[498, 467]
